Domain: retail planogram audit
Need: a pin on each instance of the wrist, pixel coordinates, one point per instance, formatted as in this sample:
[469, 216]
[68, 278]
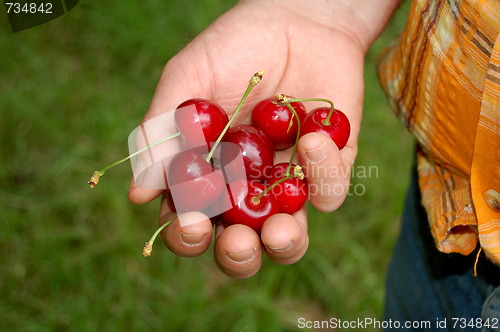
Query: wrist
[365, 20]
[359, 20]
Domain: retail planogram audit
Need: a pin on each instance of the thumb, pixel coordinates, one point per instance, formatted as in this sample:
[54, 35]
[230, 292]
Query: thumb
[178, 82]
[326, 173]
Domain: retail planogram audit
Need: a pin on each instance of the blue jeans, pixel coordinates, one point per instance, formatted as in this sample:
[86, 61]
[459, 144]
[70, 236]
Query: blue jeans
[429, 290]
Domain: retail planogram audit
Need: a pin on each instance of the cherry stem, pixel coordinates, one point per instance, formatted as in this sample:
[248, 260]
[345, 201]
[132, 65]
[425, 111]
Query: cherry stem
[325, 121]
[297, 173]
[294, 151]
[94, 180]
[256, 78]
[148, 247]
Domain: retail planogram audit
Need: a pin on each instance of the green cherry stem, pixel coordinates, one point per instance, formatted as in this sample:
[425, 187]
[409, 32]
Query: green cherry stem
[94, 179]
[286, 100]
[148, 247]
[294, 151]
[256, 78]
[297, 173]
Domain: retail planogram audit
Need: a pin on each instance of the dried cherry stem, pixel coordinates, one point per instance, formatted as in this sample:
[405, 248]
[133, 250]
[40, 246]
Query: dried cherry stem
[94, 179]
[287, 100]
[148, 247]
[256, 78]
[297, 173]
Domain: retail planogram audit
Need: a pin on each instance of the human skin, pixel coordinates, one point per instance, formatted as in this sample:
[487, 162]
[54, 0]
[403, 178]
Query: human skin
[307, 49]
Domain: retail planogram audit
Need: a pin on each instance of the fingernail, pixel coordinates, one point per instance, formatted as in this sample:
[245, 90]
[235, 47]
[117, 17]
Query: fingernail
[317, 155]
[241, 257]
[281, 248]
[192, 240]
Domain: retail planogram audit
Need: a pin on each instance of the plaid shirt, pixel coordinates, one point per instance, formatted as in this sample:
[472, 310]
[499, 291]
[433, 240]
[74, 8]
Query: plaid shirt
[442, 78]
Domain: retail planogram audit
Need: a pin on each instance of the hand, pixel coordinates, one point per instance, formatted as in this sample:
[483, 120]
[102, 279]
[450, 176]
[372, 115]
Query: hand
[303, 55]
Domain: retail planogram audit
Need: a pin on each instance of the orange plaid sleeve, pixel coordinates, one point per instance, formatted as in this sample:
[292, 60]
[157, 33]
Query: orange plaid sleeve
[442, 79]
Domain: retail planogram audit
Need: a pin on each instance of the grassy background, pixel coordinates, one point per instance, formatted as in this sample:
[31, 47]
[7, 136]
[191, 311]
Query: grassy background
[70, 92]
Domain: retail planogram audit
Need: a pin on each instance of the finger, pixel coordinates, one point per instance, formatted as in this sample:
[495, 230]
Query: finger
[238, 251]
[188, 236]
[285, 238]
[218, 230]
[151, 156]
[327, 175]
[139, 195]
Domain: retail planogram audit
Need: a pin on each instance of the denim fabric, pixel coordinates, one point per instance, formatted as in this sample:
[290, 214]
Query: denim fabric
[425, 285]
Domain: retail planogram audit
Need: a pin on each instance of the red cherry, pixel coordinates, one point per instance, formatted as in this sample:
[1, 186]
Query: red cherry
[291, 194]
[246, 211]
[194, 184]
[256, 149]
[338, 130]
[274, 120]
[195, 114]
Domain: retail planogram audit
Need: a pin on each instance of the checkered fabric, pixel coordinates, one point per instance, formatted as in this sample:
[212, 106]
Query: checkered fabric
[442, 79]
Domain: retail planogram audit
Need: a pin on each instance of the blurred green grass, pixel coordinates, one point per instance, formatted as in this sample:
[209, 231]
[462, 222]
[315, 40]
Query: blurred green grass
[70, 92]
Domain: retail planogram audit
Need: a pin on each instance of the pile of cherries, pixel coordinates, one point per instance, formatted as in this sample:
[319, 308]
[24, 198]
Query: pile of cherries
[265, 188]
